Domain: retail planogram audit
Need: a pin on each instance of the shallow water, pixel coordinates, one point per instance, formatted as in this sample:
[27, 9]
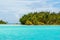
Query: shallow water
[29, 32]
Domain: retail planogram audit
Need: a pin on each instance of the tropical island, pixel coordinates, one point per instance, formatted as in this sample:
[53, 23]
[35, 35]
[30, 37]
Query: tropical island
[2, 22]
[39, 18]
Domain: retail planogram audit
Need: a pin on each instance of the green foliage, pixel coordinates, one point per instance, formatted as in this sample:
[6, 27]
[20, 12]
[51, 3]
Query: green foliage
[2, 22]
[41, 18]
[28, 22]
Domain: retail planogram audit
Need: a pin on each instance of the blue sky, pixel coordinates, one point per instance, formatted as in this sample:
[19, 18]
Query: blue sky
[12, 10]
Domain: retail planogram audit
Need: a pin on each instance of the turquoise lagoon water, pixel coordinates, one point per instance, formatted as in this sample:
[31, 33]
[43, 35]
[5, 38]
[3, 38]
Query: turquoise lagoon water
[11, 32]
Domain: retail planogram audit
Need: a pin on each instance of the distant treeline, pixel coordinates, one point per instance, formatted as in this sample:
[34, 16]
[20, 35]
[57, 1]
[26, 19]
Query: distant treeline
[2, 22]
[41, 18]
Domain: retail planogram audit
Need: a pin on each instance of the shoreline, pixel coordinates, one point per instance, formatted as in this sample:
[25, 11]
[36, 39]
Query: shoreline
[25, 25]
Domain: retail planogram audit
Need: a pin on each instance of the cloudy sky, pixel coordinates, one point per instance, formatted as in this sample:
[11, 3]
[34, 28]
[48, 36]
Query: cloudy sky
[12, 10]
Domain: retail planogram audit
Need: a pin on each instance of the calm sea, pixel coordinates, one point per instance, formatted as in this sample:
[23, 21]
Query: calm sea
[27, 32]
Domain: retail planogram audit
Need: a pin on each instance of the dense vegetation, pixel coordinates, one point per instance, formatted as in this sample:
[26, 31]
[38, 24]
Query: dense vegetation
[41, 18]
[2, 22]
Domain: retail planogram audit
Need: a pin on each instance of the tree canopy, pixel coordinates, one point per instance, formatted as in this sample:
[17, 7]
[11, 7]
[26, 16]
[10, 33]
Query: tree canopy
[41, 18]
[2, 22]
